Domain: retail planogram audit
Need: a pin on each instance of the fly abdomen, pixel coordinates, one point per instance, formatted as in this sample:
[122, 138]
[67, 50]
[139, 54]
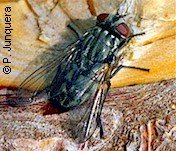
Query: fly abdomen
[63, 91]
[74, 84]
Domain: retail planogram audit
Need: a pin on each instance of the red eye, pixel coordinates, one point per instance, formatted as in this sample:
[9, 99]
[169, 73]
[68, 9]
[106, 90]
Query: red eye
[123, 29]
[102, 17]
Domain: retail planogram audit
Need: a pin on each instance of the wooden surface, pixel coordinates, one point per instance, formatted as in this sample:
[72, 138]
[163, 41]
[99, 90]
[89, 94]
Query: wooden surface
[141, 116]
[40, 28]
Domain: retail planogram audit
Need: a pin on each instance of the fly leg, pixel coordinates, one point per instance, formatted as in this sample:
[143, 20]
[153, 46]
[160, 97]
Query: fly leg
[100, 126]
[75, 29]
[132, 67]
[103, 97]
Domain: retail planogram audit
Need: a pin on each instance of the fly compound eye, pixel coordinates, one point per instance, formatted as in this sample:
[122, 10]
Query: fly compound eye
[123, 29]
[102, 17]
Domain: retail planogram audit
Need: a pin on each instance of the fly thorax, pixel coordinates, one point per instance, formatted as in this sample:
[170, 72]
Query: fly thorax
[99, 45]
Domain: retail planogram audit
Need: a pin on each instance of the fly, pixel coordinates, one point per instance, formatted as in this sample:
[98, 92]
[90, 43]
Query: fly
[80, 77]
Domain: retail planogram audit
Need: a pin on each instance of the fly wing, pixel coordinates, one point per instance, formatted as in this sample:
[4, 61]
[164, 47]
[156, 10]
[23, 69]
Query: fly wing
[31, 86]
[86, 117]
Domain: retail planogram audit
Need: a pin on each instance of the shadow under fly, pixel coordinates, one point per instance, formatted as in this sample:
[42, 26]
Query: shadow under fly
[79, 78]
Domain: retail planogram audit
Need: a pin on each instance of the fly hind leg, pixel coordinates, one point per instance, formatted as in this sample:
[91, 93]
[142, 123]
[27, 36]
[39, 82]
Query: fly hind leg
[99, 123]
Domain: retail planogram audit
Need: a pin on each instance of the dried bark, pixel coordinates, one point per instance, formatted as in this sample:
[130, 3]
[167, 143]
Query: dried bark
[140, 117]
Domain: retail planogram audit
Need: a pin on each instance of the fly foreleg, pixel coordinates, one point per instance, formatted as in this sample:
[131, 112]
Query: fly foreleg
[132, 67]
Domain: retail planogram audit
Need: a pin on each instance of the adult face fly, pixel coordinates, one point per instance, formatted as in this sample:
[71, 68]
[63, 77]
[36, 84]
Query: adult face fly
[81, 75]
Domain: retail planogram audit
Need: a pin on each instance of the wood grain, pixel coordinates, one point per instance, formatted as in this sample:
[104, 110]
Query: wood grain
[40, 28]
[141, 116]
